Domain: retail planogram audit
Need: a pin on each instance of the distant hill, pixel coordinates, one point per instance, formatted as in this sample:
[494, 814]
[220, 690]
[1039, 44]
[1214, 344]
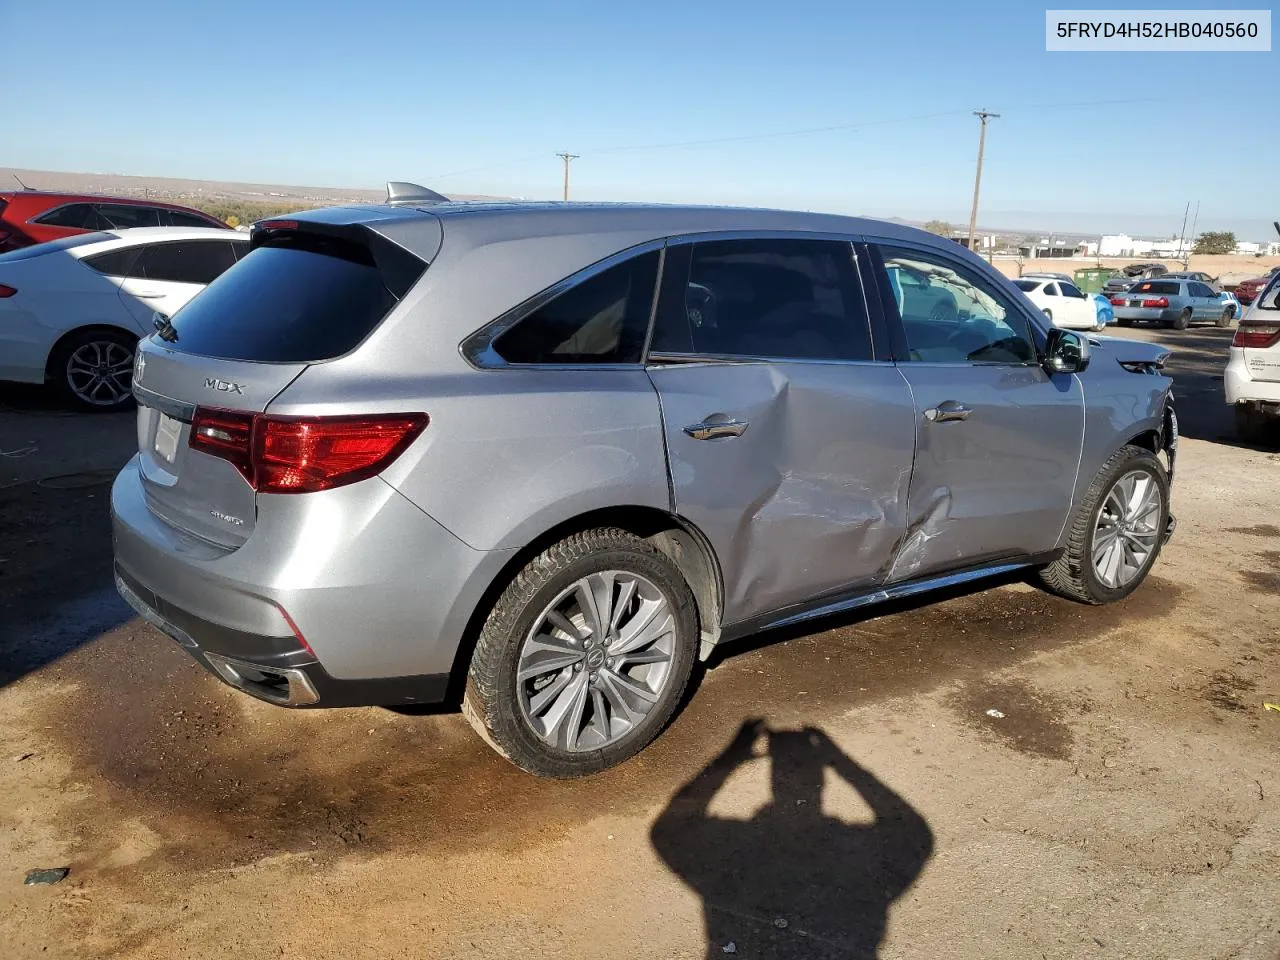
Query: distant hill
[179, 190]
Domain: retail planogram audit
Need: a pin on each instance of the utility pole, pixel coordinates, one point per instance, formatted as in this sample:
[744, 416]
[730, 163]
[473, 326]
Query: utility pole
[1195, 218]
[1182, 236]
[566, 157]
[984, 116]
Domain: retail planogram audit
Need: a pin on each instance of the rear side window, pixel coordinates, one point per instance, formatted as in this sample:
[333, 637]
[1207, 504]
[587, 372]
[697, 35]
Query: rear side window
[1166, 287]
[180, 219]
[114, 263]
[774, 299]
[1026, 286]
[122, 216]
[78, 216]
[185, 261]
[298, 299]
[603, 319]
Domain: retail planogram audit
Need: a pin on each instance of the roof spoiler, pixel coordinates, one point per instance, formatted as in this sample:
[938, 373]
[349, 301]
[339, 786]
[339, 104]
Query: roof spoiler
[402, 194]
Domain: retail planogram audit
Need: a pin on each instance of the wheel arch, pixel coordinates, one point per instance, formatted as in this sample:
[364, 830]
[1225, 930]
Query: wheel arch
[676, 538]
[68, 336]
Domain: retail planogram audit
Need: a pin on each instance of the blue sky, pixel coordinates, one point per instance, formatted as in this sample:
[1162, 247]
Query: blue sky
[478, 97]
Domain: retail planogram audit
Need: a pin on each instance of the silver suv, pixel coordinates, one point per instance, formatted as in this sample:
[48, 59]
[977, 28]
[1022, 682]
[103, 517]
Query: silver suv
[542, 458]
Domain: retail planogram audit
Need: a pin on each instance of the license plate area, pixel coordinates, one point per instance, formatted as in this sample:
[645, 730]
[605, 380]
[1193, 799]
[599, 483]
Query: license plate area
[168, 432]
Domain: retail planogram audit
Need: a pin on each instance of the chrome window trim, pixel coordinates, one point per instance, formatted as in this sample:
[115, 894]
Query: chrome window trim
[477, 348]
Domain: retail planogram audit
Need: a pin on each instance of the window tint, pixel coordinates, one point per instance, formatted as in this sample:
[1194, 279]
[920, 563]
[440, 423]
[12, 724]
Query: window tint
[1200, 290]
[783, 299]
[121, 216]
[80, 216]
[185, 261]
[952, 314]
[180, 219]
[1070, 290]
[297, 300]
[1050, 289]
[1166, 287]
[1026, 285]
[115, 263]
[603, 319]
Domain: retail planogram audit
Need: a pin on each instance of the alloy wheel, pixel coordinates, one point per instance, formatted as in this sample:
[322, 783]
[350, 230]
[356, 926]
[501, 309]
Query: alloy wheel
[100, 372]
[597, 660]
[1127, 529]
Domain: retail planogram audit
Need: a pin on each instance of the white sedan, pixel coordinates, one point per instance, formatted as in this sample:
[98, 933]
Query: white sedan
[72, 310]
[1065, 304]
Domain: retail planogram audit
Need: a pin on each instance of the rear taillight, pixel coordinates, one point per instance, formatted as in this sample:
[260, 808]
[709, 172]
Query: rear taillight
[304, 454]
[1157, 302]
[7, 291]
[1257, 335]
[1117, 301]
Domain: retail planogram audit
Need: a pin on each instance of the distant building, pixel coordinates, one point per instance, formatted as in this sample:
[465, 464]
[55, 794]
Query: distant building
[1123, 245]
[1248, 248]
[1048, 248]
[981, 241]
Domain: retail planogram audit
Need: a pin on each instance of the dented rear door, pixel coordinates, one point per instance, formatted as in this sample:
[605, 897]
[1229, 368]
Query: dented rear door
[795, 468]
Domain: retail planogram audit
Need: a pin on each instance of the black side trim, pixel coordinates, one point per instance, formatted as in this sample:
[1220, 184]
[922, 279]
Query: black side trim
[178, 409]
[427, 688]
[835, 604]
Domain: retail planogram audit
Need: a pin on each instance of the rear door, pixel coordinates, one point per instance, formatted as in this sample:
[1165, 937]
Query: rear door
[789, 441]
[997, 439]
[296, 298]
[165, 276]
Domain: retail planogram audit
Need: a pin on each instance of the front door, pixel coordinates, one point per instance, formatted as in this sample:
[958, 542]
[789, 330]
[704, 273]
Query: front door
[789, 444]
[998, 439]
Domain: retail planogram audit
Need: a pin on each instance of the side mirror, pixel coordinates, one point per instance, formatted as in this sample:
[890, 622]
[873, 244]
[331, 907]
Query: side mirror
[1066, 351]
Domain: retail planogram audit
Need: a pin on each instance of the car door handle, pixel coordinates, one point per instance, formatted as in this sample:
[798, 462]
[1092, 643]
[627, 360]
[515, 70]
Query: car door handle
[716, 429]
[947, 410]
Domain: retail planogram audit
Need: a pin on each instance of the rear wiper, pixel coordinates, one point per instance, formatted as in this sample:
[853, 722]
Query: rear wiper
[164, 327]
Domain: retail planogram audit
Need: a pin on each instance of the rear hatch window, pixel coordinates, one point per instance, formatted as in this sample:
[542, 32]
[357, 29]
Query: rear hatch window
[295, 298]
[1165, 287]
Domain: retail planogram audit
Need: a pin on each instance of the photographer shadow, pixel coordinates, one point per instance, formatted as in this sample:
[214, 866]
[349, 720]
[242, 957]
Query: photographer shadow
[792, 881]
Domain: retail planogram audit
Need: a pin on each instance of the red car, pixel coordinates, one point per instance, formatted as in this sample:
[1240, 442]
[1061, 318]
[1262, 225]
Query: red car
[33, 216]
[1249, 289]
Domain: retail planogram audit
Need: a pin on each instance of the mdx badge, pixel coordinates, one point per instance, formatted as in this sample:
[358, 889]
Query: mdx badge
[223, 386]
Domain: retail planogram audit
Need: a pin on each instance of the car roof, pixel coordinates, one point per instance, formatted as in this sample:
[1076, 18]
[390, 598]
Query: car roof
[133, 236]
[59, 197]
[609, 225]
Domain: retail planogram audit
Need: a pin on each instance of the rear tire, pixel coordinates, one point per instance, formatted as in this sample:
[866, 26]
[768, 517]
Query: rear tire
[93, 370]
[1183, 320]
[557, 693]
[1092, 570]
[1251, 426]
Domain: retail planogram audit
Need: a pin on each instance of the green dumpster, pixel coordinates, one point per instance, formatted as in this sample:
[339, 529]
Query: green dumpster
[1091, 279]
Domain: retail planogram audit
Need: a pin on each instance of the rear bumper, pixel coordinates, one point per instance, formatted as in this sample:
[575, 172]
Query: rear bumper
[1149, 315]
[1240, 386]
[378, 595]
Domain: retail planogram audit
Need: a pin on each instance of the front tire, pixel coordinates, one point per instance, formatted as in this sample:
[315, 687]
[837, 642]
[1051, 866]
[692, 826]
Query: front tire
[585, 656]
[1227, 316]
[1117, 531]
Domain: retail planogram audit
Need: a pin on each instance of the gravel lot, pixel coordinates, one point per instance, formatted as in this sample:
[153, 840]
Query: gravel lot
[1125, 804]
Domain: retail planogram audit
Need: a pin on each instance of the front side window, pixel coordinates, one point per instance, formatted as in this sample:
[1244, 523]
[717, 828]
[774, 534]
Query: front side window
[185, 261]
[951, 314]
[1050, 289]
[123, 216]
[78, 216]
[774, 299]
[1071, 290]
[180, 219]
[1200, 290]
[603, 319]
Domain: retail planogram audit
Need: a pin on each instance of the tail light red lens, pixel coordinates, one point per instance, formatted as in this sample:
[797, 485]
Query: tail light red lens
[1160, 302]
[1117, 301]
[303, 455]
[1256, 335]
[7, 291]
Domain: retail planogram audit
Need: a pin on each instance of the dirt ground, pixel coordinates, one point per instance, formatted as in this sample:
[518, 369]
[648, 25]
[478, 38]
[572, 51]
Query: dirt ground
[842, 793]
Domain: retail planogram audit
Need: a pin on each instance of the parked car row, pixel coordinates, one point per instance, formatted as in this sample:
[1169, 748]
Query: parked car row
[1172, 302]
[35, 216]
[72, 310]
[698, 423]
